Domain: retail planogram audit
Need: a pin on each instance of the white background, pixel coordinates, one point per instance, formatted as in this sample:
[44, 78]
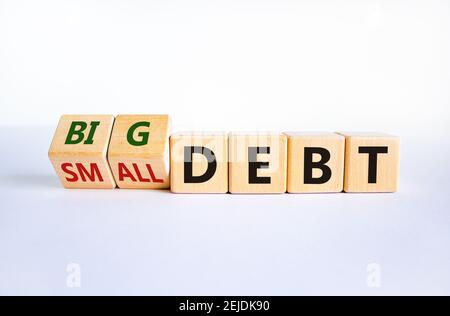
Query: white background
[226, 65]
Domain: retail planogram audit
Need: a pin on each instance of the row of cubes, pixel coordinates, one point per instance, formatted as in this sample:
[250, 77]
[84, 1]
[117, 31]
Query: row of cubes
[137, 152]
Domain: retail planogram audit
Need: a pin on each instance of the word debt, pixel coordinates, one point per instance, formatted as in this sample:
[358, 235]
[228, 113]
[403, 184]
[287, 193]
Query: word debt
[137, 152]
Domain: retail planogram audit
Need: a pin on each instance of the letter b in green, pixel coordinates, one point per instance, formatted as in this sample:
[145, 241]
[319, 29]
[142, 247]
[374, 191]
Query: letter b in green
[143, 136]
[76, 133]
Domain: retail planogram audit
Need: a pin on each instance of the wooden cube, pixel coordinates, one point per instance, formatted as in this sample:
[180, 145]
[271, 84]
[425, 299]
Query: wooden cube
[78, 151]
[371, 162]
[315, 162]
[139, 151]
[257, 163]
[199, 163]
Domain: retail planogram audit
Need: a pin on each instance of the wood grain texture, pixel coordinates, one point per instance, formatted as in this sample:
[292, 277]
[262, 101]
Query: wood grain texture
[356, 174]
[333, 143]
[83, 165]
[141, 164]
[239, 167]
[217, 143]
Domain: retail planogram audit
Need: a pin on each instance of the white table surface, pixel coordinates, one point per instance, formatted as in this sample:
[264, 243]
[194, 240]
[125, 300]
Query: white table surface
[156, 242]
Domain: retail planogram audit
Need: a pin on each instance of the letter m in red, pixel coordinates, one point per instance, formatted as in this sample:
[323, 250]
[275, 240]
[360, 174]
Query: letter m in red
[92, 174]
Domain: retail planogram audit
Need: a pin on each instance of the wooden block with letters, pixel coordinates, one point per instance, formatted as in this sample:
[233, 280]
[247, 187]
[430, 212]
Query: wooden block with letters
[199, 163]
[139, 151]
[257, 162]
[78, 151]
[371, 162]
[315, 162]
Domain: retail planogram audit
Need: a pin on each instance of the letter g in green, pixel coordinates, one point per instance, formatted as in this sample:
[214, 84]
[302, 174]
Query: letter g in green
[143, 136]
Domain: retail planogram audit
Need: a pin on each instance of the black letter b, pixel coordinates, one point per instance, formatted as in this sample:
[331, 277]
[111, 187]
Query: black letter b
[310, 165]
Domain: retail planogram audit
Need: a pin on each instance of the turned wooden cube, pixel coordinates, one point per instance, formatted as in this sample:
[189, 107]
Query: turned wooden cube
[139, 151]
[257, 162]
[78, 151]
[315, 162]
[371, 162]
[199, 162]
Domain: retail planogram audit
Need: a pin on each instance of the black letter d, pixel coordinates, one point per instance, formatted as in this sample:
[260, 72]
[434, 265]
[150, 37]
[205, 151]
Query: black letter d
[212, 164]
